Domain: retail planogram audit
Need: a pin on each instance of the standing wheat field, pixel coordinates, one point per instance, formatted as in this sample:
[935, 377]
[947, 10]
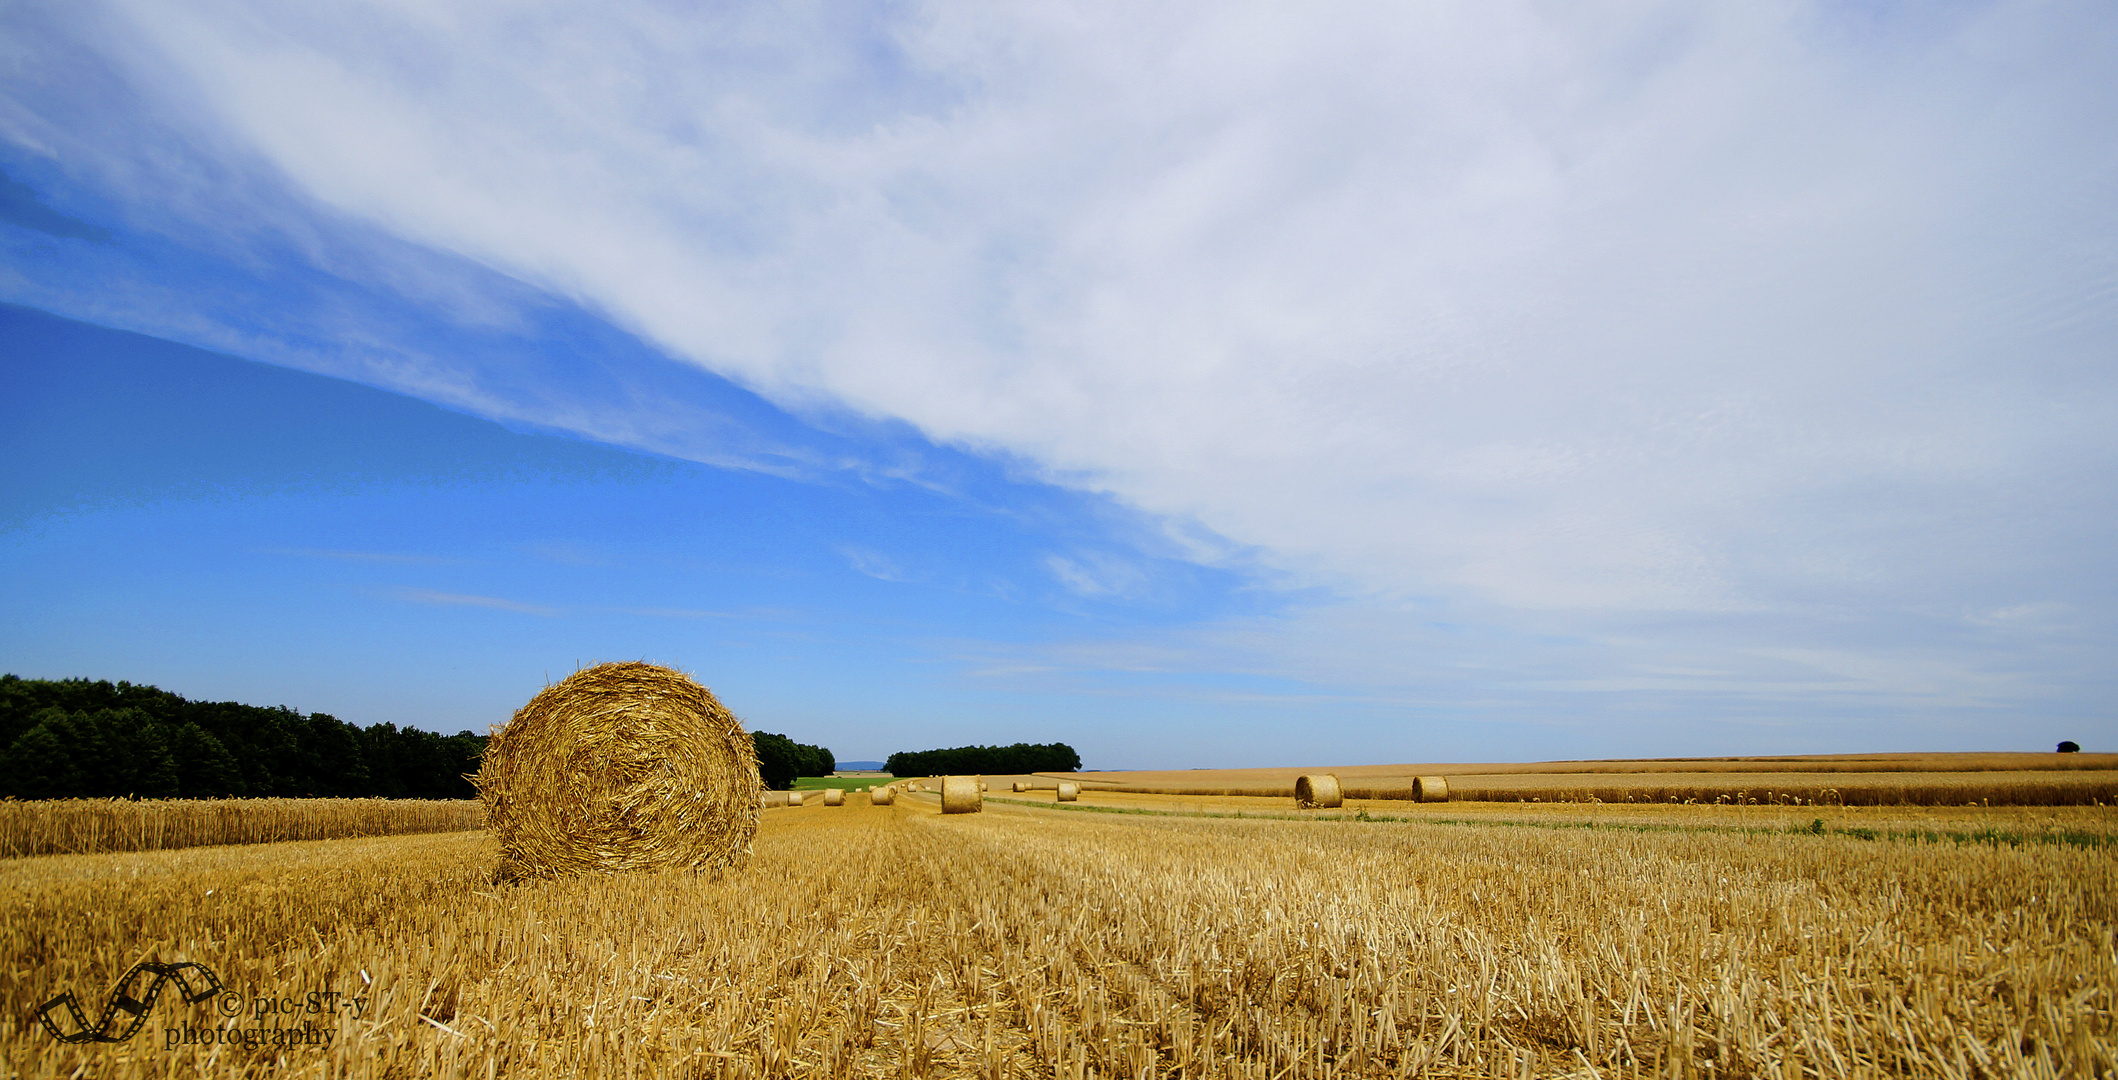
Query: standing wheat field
[1044, 941]
[88, 826]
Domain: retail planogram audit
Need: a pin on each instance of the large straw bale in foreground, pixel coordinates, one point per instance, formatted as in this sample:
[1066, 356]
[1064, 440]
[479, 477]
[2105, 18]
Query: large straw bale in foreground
[1318, 791]
[882, 796]
[961, 795]
[620, 767]
[1430, 789]
[1068, 791]
[834, 796]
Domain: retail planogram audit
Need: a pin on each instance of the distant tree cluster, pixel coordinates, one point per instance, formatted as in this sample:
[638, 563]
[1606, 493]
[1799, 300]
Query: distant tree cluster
[79, 739]
[968, 760]
[781, 759]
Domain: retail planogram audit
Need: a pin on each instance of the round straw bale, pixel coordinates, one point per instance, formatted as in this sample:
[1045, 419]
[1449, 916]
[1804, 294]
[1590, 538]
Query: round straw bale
[982, 787]
[620, 767]
[1430, 789]
[882, 796]
[834, 796]
[961, 795]
[774, 798]
[1022, 785]
[794, 798]
[1318, 791]
[1069, 791]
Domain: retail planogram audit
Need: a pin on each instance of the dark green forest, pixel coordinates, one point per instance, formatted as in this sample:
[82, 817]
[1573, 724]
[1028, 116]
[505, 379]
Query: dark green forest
[781, 759]
[971, 760]
[73, 738]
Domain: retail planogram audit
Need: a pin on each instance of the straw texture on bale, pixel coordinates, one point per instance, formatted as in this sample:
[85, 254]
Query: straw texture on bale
[1069, 791]
[1318, 791]
[834, 796]
[961, 795]
[1430, 789]
[620, 767]
[882, 796]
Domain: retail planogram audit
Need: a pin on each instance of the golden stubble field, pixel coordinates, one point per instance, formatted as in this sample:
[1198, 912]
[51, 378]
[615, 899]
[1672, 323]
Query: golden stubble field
[1029, 941]
[1924, 779]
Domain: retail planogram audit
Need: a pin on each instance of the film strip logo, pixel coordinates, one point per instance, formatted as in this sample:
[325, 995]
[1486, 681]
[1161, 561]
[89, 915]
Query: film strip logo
[126, 1011]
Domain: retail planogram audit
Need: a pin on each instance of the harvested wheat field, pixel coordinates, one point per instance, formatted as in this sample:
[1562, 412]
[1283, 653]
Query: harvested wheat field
[1034, 940]
[1832, 779]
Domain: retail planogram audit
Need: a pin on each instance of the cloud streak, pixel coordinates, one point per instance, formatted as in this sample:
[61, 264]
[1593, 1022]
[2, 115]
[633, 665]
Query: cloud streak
[448, 599]
[1758, 331]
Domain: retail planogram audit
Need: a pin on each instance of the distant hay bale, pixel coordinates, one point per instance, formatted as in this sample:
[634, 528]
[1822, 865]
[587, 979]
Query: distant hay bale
[1430, 789]
[773, 798]
[961, 795]
[981, 786]
[1022, 785]
[1069, 791]
[620, 767]
[1320, 791]
[834, 796]
[794, 798]
[882, 796]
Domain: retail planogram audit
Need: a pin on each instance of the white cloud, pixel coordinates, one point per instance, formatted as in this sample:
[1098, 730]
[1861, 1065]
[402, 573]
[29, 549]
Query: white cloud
[447, 599]
[1098, 574]
[874, 564]
[1556, 314]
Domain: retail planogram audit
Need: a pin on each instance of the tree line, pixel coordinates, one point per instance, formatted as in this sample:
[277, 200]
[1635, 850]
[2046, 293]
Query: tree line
[781, 759]
[73, 738]
[998, 760]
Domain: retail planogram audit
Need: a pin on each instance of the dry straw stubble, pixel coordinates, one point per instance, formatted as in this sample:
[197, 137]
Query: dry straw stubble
[1318, 791]
[627, 766]
[961, 795]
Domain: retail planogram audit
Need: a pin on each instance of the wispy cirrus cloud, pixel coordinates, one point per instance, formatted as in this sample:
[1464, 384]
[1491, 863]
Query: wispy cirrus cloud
[875, 564]
[1625, 333]
[448, 599]
[395, 558]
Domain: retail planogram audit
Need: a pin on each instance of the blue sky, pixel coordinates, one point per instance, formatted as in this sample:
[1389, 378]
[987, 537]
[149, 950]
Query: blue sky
[1204, 385]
